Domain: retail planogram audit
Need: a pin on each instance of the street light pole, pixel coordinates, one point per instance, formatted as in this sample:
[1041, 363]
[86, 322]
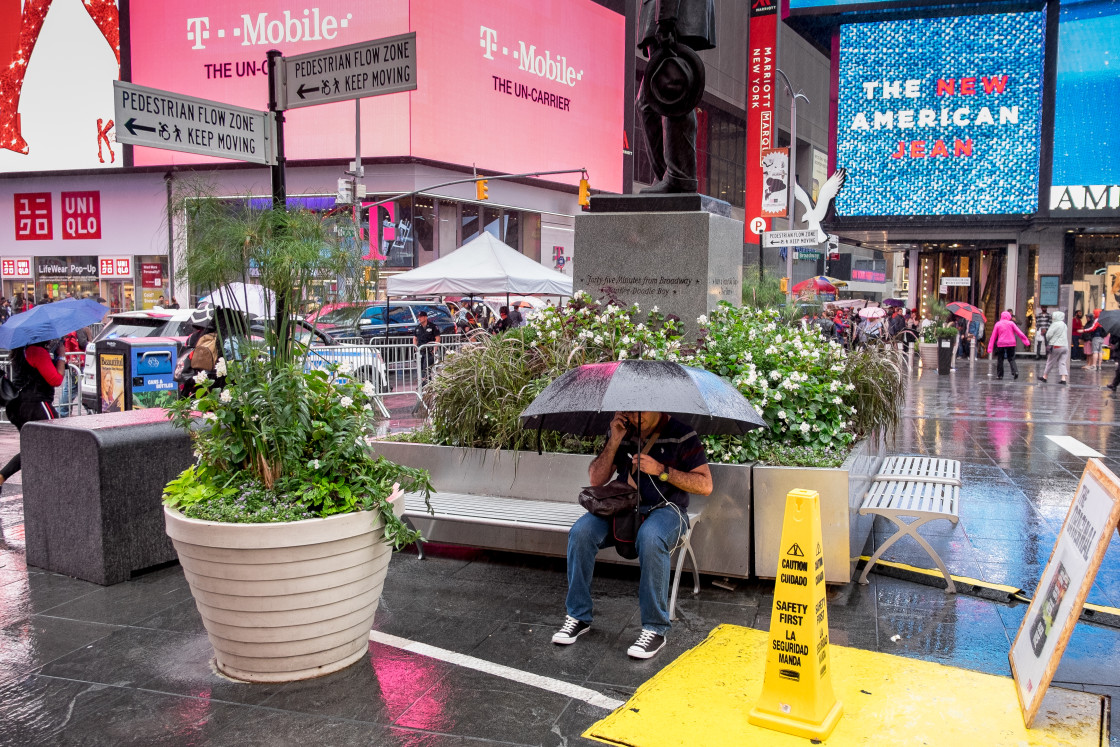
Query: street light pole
[792, 176]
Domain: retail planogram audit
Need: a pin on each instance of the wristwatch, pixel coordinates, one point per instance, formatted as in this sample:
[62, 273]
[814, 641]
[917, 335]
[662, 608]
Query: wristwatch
[664, 476]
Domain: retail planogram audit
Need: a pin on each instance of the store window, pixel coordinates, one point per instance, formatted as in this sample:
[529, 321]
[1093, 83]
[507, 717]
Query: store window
[448, 226]
[530, 244]
[154, 285]
[469, 220]
[66, 277]
[424, 229]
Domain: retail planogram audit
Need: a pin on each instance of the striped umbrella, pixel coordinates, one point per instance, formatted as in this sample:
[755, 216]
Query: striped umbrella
[819, 284]
[966, 311]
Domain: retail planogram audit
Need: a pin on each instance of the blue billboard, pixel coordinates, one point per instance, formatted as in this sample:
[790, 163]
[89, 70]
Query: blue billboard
[1087, 100]
[941, 116]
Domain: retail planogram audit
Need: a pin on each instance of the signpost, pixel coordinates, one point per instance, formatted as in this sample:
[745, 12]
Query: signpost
[370, 68]
[1058, 600]
[172, 121]
[802, 237]
[952, 282]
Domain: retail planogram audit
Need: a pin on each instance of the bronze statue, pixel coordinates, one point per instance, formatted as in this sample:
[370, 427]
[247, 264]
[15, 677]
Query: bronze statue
[669, 33]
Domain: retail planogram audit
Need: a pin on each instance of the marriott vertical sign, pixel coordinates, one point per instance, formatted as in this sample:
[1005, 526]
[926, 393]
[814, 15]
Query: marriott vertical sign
[761, 64]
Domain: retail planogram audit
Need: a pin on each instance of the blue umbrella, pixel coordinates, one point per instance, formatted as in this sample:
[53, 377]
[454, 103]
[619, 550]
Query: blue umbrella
[49, 321]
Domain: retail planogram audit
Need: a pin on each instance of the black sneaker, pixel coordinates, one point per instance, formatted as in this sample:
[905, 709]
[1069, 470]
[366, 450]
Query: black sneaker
[648, 644]
[570, 631]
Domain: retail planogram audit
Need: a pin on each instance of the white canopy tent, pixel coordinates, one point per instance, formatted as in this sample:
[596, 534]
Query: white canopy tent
[482, 266]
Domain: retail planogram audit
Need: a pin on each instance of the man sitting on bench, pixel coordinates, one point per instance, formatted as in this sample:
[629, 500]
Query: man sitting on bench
[675, 465]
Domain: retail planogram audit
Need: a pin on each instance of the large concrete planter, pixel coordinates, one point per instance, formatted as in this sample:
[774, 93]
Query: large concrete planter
[721, 540]
[286, 601]
[842, 491]
[927, 351]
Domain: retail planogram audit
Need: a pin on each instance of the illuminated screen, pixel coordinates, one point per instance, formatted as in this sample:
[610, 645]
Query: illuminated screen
[841, 6]
[940, 116]
[56, 92]
[505, 85]
[1087, 98]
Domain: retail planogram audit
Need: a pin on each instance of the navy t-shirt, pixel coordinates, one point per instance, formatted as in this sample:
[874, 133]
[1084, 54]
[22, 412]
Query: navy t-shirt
[677, 446]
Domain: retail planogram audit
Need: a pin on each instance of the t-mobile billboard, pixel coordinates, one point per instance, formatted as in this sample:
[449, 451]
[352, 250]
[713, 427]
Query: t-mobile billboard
[502, 84]
[940, 116]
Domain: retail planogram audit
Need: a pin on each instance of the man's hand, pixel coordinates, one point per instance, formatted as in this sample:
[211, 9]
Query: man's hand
[647, 464]
[619, 426]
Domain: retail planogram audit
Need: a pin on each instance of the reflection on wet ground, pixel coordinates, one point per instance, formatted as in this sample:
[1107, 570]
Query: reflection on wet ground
[129, 664]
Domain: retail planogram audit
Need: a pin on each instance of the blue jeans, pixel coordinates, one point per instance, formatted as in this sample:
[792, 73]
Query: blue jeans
[657, 537]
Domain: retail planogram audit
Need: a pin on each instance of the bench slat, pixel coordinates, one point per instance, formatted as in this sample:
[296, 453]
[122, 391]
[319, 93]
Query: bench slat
[909, 497]
[925, 469]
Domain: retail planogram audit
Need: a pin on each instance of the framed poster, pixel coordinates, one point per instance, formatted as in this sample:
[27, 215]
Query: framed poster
[1058, 600]
[1048, 286]
[1112, 287]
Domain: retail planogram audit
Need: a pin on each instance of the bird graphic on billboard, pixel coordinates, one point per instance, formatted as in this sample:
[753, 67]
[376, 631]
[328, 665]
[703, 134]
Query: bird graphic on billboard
[814, 214]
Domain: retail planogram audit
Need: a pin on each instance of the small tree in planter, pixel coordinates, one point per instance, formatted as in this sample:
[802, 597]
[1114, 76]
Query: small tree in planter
[285, 524]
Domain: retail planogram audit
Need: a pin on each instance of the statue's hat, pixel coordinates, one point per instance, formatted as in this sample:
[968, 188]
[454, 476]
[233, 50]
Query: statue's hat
[675, 79]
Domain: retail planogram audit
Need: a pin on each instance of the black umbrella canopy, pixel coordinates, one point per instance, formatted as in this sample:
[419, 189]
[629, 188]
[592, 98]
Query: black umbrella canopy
[1110, 320]
[583, 401]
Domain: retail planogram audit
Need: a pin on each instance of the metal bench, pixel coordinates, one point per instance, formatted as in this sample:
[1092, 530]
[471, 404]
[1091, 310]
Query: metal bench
[520, 513]
[920, 469]
[924, 501]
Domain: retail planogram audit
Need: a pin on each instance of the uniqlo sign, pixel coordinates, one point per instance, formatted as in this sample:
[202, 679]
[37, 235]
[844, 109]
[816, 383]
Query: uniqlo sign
[81, 215]
[33, 216]
[115, 267]
[15, 268]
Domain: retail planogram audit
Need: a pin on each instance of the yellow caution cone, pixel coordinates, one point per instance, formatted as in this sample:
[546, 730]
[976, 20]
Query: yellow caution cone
[797, 695]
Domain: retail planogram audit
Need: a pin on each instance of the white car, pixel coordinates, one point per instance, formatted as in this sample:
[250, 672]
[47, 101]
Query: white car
[154, 323]
[363, 360]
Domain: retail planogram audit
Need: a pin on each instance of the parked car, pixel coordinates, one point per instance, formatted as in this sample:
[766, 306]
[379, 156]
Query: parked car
[174, 323]
[325, 351]
[402, 320]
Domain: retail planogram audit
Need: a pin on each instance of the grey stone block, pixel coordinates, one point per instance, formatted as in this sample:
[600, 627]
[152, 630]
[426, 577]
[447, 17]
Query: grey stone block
[685, 263]
[659, 203]
[92, 490]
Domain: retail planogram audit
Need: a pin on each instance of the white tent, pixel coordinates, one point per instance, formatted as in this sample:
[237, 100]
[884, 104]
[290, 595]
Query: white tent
[482, 266]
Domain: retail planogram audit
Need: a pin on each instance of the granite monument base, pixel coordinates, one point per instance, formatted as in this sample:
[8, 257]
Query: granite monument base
[683, 262]
[92, 489]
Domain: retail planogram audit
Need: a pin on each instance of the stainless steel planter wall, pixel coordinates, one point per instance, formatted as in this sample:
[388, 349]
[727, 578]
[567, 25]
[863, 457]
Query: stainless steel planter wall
[722, 540]
[842, 491]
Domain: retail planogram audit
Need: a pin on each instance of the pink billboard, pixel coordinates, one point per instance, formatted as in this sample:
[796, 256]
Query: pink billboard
[505, 85]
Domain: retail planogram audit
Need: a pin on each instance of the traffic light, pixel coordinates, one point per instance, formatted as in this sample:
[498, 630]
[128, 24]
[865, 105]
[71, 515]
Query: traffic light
[785, 285]
[584, 194]
[482, 189]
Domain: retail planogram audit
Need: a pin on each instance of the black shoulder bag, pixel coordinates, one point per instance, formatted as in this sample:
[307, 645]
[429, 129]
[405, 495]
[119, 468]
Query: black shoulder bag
[618, 501]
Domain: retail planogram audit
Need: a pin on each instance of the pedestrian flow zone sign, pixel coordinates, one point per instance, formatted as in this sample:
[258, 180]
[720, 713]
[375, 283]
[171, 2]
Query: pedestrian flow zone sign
[1093, 516]
[161, 119]
[801, 237]
[370, 68]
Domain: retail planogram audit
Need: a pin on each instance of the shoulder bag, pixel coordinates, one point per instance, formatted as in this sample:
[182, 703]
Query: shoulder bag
[617, 496]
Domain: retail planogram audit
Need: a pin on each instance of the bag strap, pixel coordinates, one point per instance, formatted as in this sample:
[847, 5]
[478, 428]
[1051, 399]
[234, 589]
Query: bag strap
[645, 450]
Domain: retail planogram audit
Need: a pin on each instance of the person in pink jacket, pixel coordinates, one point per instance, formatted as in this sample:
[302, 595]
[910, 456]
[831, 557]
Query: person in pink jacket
[1003, 340]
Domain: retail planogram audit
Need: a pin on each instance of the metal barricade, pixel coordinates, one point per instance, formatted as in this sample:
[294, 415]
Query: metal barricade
[402, 367]
[69, 395]
[362, 362]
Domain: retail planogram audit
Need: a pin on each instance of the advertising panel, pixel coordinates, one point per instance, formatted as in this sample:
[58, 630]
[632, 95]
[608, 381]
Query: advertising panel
[845, 6]
[763, 30]
[505, 85]
[56, 95]
[940, 116]
[1086, 174]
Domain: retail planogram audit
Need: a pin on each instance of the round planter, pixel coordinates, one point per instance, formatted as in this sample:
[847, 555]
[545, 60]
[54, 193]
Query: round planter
[928, 353]
[286, 601]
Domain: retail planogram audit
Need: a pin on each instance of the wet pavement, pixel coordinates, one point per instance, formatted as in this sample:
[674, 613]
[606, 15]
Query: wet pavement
[129, 664]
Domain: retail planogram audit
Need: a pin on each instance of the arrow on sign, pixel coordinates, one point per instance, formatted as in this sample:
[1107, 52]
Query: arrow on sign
[303, 89]
[132, 127]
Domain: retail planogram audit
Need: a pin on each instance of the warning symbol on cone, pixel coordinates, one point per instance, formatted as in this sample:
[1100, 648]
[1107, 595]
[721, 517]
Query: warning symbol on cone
[797, 696]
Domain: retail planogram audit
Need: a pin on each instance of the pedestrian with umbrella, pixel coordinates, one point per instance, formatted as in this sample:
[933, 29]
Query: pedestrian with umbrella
[1003, 339]
[973, 326]
[871, 328]
[39, 361]
[1109, 322]
[1057, 347]
[651, 412]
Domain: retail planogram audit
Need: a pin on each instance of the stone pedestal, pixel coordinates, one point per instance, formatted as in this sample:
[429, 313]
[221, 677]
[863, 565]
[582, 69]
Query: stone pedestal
[92, 489]
[681, 253]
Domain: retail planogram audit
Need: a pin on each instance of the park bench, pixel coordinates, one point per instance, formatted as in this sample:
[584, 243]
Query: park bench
[522, 514]
[922, 488]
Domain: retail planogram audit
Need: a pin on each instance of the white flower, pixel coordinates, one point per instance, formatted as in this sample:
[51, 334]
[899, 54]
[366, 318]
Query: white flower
[225, 396]
[777, 396]
[209, 416]
[255, 417]
[346, 367]
[622, 355]
[702, 319]
[200, 377]
[368, 389]
[782, 414]
[805, 427]
[834, 386]
[346, 402]
[851, 387]
[598, 339]
[775, 375]
[653, 310]
[314, 464]
[837, 401]
[220, 367]
[367, 406]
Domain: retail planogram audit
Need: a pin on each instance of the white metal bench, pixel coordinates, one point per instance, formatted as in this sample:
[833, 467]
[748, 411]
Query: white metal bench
[920, 469]
[521, 513]
[924, 501]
